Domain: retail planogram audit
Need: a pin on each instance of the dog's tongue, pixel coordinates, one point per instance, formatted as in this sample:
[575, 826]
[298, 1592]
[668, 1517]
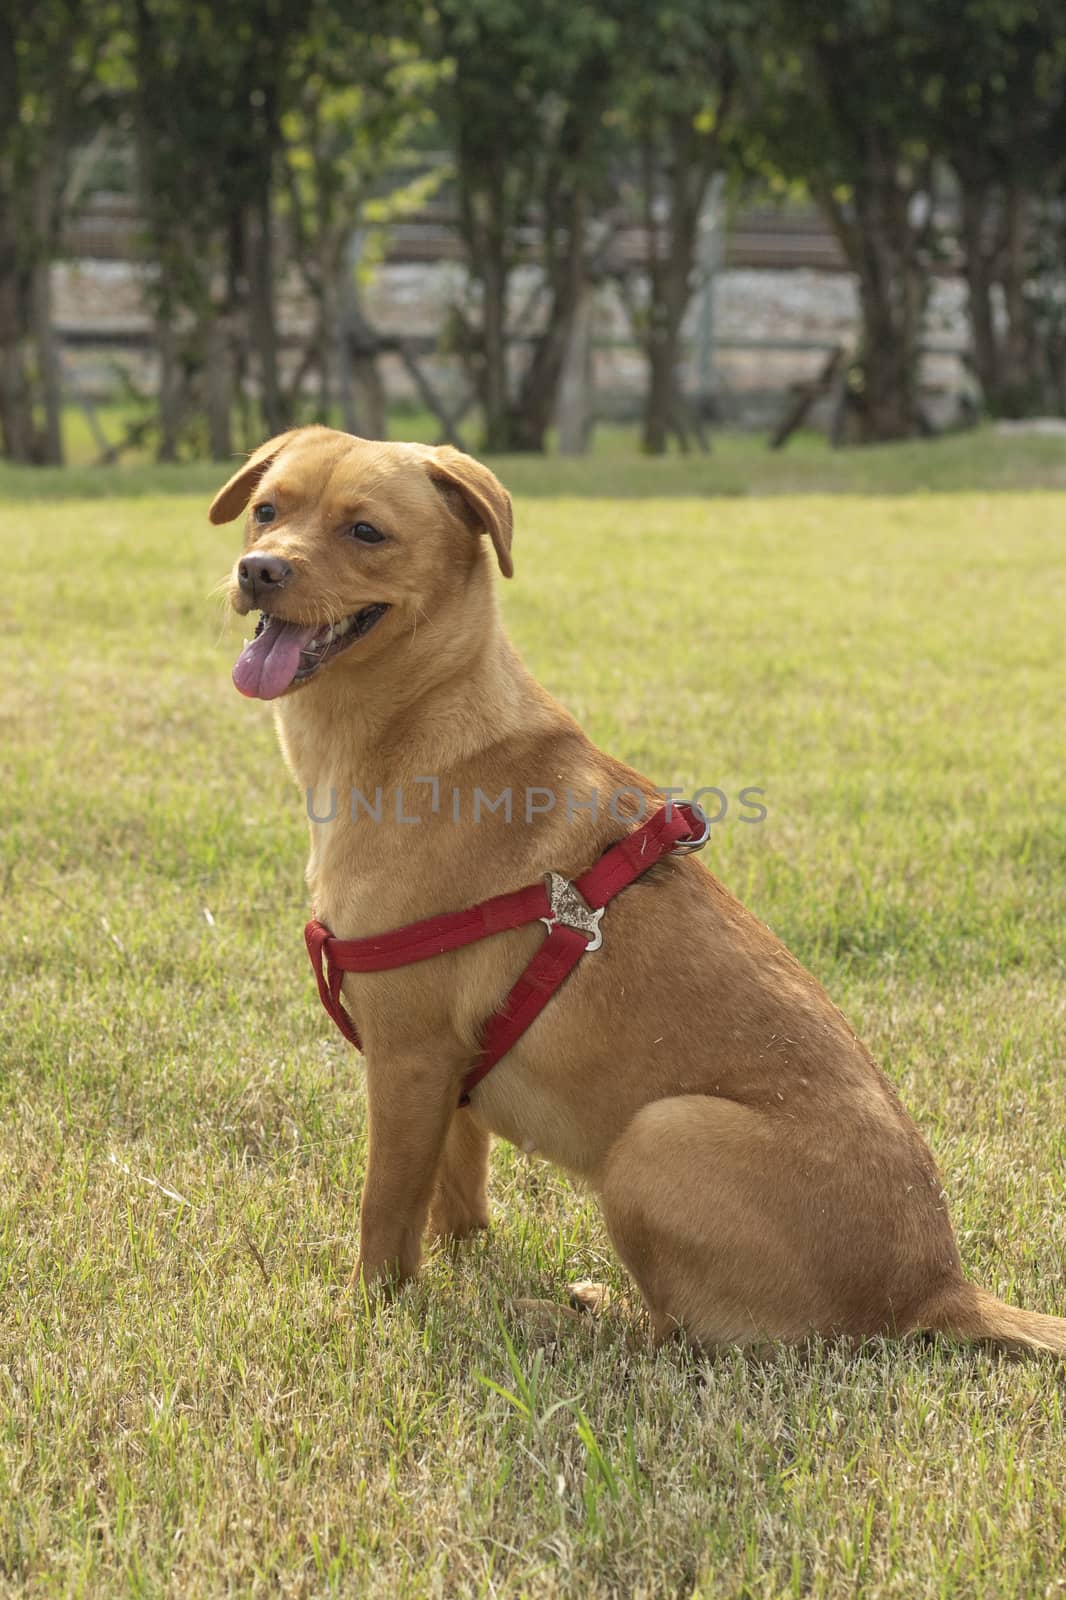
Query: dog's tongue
[269, 662]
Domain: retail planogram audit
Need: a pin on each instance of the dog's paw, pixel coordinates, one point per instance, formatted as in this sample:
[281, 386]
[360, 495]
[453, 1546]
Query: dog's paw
[546, 1320]
[449, 1229]
[380, 1284]
[588, 1297]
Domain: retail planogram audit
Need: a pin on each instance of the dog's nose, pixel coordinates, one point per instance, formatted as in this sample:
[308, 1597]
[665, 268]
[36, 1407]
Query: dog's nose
[259, 572]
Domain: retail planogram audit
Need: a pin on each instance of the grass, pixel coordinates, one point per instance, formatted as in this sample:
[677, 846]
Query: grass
[187, 1405]
[739, 465]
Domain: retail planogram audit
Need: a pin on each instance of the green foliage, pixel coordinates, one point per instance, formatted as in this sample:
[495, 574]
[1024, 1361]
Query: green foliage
[207, 106]
[525, 100]
[356, 108]
[268, 132]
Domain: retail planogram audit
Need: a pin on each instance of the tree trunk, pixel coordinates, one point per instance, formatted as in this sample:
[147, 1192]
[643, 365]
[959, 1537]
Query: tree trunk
[889, 361]
[346, 306]
[1020, 386]
[884, 249]
[492, 210]
[370, 404]
[169, 390]
[530, 416]
[974, 218]
[260, 261]
[16, 411]
[218, 388]
[16, 418]
[236, 320]
[532, 413]
[492, 375]
[1009, 361]
[46, 347]
[574, 409]
[16, 414]
[331, 352]
[328, 354]
[47, 351]
[349, 420]
[687, 160]
[31, 398]
[483, 220]
[661, 393]
[360, 350]
[669, 291]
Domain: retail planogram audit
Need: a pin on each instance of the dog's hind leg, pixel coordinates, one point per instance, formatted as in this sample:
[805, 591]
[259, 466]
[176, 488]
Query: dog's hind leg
[460, 1202]
[704, 1202]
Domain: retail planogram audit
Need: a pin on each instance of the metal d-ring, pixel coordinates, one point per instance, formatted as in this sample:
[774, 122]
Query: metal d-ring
[568, 906]
[686, 847]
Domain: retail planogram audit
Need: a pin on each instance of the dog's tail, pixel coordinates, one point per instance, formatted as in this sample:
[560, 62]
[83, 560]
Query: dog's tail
[966, 1312]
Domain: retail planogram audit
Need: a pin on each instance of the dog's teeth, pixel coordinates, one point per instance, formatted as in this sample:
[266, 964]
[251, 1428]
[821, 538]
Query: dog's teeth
[336, 630]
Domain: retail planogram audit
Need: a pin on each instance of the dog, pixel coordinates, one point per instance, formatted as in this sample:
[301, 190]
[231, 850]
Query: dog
[757, 1174]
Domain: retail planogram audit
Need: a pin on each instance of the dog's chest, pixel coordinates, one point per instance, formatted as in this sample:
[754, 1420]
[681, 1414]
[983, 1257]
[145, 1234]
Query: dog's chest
[514, 1103]
[353, 891]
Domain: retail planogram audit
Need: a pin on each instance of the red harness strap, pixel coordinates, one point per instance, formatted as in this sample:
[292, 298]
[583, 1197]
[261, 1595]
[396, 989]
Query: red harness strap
[571, 912]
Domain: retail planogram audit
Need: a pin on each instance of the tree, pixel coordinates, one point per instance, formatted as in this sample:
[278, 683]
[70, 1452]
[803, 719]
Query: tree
[684, 58]
[524, 109]
[51, 90]
[357, 104]
[844, 108]
[208, 101]
[999, 119]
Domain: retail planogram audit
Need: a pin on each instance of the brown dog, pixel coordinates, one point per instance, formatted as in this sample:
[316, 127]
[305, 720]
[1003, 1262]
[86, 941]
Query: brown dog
[757, 1174]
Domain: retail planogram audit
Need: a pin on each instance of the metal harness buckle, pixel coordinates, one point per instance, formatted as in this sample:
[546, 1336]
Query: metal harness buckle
[572, 910]
[686, 847]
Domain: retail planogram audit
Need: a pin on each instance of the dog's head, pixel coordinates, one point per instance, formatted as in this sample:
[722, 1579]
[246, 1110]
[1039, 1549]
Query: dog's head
[349, 545]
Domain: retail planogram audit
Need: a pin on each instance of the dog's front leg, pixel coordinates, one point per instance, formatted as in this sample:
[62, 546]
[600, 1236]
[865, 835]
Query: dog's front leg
[461, 1203]
[411, 1102]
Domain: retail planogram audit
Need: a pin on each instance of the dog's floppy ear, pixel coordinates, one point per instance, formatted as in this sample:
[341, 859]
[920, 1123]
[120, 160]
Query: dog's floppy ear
[482, 500]
[232, 498]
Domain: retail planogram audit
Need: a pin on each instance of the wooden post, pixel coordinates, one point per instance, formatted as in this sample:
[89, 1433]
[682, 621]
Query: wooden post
[805, 398]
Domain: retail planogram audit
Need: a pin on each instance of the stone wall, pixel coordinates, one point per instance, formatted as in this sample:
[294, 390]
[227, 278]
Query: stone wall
[752, 310]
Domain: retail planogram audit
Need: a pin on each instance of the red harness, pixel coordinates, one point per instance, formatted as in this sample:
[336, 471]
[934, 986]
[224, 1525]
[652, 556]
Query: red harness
[571, 912]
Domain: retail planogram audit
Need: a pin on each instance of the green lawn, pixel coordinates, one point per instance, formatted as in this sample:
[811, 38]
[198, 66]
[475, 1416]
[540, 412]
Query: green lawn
[737, 465]
[188, 1405]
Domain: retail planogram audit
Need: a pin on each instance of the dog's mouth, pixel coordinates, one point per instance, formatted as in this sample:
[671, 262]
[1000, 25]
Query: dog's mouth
[286, 653]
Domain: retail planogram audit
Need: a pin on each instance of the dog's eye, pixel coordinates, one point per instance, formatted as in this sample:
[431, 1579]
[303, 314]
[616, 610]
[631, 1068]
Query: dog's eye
[264, 514]
[366, 533]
